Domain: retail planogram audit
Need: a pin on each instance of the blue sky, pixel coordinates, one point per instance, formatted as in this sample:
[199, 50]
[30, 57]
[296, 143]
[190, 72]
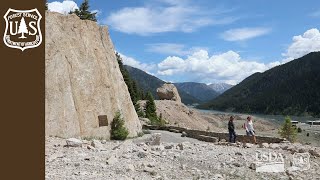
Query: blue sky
[209, 40]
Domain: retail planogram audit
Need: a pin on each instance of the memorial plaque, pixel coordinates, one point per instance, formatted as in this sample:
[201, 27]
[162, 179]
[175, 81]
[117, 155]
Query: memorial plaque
[103, 120]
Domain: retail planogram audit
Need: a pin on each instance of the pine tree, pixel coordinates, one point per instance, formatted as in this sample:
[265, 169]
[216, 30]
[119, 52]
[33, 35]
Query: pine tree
[287, 130]
[140, 113]
[84, 13]
[22, 28]
[151, 109]
[135, 92]
[118, 130]
[46, 6]
[129, 82]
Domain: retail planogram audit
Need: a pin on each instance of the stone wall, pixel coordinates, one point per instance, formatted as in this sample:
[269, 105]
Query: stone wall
[205, 135]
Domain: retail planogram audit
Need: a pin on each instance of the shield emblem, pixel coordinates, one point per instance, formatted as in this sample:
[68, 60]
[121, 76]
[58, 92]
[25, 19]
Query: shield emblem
[301, 161]
[22, 29]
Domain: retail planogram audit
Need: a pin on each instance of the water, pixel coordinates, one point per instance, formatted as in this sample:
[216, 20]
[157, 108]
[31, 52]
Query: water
[275, 118]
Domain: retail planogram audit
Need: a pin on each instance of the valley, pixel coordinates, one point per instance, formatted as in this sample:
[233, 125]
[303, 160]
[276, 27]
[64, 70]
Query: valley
[105, 119]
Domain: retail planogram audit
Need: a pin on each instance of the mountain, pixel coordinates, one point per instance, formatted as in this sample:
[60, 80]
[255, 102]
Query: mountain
[291, 89]
[200, 91]
[150, 83]
[220, 87]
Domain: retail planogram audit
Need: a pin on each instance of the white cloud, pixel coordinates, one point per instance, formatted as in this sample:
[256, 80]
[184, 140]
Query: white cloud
[62, 7]
[171, 49]
[171, 65]
[241, 34]
[303, 44]
[226, 67]
[167, 48]
[166, 16]
[135, 63]
[229, 67]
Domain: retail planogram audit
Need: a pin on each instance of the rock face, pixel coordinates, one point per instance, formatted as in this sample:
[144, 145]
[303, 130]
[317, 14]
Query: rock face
[168, 92]
[84, 85]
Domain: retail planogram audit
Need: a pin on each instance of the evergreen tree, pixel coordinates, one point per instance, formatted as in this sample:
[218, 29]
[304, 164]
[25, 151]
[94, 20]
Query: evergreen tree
[287, 130]
[151, 109]
[138, 110]
[136, 94]
[84, 13]
[46, 6]
[129, 82]
[118, 130]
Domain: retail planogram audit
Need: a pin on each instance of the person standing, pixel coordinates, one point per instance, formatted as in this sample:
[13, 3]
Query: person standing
[249, 129]
[232, 133]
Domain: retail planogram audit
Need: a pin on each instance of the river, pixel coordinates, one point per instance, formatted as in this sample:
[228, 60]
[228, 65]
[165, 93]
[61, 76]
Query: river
[275, 118]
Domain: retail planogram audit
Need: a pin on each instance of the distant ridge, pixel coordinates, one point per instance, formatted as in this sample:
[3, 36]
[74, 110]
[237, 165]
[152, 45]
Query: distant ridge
[148, 82]
[200, 91]
[220, 87]
[290, 89]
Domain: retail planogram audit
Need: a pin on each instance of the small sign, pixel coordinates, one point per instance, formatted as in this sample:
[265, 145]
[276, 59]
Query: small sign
[103, 120]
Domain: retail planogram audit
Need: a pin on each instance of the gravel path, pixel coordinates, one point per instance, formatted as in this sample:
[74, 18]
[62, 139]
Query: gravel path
[168, 137]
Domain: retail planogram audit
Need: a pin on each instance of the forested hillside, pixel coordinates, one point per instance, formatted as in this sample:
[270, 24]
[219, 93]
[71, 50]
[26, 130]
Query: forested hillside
[292, 89]
[200, 91]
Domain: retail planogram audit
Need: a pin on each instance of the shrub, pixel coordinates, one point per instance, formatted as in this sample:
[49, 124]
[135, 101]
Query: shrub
[140, 134]
[299, 130]
[157, 121]
[151, 108]
[118, 130]
[287, 130]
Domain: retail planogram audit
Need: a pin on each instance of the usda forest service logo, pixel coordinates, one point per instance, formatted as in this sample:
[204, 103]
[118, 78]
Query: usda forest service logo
[22, 29]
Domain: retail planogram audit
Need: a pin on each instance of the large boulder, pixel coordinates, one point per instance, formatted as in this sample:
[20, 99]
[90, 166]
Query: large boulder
[84, 86]
[168, 92]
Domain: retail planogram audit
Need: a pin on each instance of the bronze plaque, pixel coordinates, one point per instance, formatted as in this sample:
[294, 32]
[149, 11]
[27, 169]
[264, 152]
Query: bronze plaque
[103, 120]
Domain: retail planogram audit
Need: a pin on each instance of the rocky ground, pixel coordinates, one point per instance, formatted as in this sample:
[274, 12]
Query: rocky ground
[166, 155]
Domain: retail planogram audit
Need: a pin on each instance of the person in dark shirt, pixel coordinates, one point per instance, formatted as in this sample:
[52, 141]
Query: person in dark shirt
[232, 133]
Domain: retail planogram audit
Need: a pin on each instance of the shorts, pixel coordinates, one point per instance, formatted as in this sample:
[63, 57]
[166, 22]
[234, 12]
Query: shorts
[250, 133]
